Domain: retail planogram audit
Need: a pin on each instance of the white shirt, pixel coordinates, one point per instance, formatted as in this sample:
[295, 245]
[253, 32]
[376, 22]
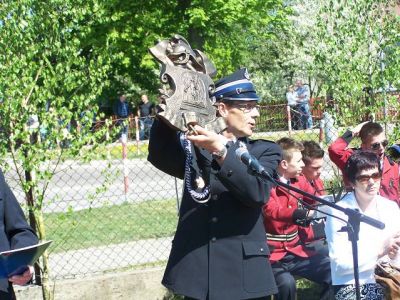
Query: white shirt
[291, 98]
[370, 243]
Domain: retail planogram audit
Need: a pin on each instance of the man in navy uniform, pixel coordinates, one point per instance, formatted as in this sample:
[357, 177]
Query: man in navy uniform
[219, 250]
[14, 233]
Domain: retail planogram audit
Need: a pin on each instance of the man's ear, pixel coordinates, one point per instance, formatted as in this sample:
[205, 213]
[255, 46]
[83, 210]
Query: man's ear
[222, 109]
[283, 164]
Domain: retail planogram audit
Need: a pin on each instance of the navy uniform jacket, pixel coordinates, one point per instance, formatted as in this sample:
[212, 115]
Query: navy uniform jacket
[14, 230]
[219, 248]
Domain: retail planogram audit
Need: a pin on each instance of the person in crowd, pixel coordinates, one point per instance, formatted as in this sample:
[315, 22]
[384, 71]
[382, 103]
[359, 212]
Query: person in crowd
[328, 120]
[161, 102]
[292, 98]
[363, 170]
[219, 250]
[313, 158]
[288, 228]
[14, 233]
[372, 138]
[145, 114]
[122, 111]
[303, 104]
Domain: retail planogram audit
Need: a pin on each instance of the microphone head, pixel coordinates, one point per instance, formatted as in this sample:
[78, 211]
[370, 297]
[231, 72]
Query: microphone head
[240, 151]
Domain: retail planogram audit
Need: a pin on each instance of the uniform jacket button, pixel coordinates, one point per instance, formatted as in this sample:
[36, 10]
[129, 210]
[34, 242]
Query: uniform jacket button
[214, 239]
[230, 172]
[214, 220]
[214, 197]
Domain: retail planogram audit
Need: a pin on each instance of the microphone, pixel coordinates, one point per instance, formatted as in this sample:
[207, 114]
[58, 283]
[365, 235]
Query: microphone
[249, 160]
[371, 221]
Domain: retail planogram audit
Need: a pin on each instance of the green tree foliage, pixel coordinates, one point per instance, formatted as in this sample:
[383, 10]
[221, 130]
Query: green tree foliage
[279, 59]
[49, 82]
[222, 29]
[46, 74]
[356, 53]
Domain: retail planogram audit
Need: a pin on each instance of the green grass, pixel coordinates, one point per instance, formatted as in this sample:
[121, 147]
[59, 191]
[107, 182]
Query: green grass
[133, 151]
[111, 224]
[307, 290]
[111, 151]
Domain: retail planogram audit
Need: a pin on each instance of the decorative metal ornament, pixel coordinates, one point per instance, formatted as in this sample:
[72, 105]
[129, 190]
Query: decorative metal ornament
[186, 75]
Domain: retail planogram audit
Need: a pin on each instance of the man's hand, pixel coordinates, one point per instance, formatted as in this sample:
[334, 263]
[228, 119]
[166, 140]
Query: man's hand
[356, 130]
[206, 139]
[24, 278]
[300, 217]
[394, 246]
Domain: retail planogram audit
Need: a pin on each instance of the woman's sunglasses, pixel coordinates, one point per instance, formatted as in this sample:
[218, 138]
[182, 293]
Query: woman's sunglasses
[365, 178]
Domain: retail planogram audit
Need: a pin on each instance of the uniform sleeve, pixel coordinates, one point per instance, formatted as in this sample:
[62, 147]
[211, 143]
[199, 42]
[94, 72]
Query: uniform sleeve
[165, 150]
[249, 189]
[338, 150]
[278, 211]
[18, 231]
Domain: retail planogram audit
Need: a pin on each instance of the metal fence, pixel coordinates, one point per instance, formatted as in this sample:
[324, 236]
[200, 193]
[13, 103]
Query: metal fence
[118, 214]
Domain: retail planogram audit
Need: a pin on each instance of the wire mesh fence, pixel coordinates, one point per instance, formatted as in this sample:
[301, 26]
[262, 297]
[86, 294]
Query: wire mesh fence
[121, 213]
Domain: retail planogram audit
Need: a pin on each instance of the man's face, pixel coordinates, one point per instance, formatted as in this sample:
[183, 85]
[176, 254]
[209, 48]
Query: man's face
[240, 117]
[376, 143]
[292, 168]
[313, 169]
[299, 83]
[144, 98]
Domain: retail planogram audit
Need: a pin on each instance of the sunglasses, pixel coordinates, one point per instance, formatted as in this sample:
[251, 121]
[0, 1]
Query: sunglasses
[365, 178]
[376, 146]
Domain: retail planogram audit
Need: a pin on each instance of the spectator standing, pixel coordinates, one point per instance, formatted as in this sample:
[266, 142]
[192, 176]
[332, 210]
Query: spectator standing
[14, 233]
[145, 114]
[219, 250]
[303, 105]
[363, 170]
[289, 231]
[292, 98]
[122, 111]
[158, 108]
[372, 138]
[328, 121]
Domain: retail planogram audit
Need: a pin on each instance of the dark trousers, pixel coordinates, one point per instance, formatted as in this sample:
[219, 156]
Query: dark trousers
[315, 268]
[145, 126]
[295, 118]
[122, 122]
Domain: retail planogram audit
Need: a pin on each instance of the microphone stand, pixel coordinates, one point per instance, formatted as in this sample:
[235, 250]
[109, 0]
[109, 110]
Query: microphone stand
[352, 227]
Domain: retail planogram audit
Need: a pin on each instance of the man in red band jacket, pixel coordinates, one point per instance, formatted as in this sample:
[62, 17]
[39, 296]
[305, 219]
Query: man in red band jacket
[372, 138]
[288, 228]
[313, 158]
